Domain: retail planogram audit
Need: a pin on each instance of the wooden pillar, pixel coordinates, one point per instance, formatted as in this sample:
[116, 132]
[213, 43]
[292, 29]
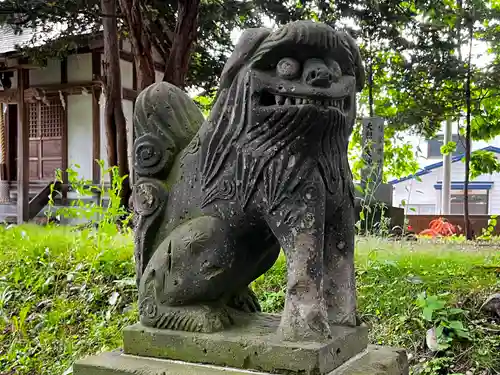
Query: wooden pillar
[23, 173]
[96, 119]
[64, 166]
[4, 181]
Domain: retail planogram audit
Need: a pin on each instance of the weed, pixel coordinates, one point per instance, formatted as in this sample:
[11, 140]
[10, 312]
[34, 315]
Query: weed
[64, 295]
[96, 210]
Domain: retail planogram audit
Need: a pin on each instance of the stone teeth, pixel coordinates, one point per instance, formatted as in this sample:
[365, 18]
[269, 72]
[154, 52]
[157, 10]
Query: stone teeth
[288, 101]
[280, 99]
[299, 100]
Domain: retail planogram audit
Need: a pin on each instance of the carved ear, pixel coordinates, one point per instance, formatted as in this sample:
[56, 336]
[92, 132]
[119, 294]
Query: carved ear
[249, 41]
[359, 68]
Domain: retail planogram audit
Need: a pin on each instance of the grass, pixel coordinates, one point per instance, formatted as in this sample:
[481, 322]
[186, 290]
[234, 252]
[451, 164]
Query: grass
[65, 294]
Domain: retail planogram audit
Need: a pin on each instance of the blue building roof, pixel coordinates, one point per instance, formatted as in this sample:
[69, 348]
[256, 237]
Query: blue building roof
[431, 167]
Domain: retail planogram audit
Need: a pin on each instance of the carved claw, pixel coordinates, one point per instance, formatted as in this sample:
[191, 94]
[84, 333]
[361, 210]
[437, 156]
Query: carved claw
[245, 301]
[203, 318]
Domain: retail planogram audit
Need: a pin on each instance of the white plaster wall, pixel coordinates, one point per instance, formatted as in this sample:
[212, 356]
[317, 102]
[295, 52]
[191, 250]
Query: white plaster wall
[14, 81]
[417, 192]
[158, 76]
[156, 56]
[80, 133]
[128, 111]
[127, 72]
[80, 67]
[127, 47]
[50, 74]
[103, 151]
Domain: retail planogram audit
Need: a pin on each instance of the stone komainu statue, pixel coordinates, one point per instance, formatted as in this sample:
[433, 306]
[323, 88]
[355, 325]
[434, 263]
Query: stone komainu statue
[216, 200]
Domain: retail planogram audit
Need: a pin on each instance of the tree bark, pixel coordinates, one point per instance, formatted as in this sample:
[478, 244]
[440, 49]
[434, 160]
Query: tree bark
[185, 35]
[141, 45]
[116, 126]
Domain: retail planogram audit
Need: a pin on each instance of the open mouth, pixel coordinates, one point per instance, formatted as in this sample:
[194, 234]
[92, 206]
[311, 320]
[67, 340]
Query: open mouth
[267, 99]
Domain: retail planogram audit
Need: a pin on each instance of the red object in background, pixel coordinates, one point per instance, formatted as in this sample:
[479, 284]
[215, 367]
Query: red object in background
[410, 228]
[439, 227]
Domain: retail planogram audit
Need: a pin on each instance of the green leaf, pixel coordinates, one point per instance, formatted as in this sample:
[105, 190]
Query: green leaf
[457, 325]
[454, 311]
[427, 313]
[439, 331]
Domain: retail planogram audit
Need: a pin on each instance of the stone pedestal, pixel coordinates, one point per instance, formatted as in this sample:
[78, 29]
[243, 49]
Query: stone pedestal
[251, 346]
[374, 360]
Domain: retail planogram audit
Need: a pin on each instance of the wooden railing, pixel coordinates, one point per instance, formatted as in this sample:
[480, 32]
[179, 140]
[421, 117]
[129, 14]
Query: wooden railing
[39, 201]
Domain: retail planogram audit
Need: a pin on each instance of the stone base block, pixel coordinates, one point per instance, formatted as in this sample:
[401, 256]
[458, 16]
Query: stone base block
[373, 361]
[251, 344]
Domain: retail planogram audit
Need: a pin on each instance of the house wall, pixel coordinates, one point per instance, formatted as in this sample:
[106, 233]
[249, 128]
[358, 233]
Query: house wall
[127, 74]
[80, 67]
[48, 75]
[79, 108]
[80, 134]
[414, 192]
[128, 111]
[424, 192]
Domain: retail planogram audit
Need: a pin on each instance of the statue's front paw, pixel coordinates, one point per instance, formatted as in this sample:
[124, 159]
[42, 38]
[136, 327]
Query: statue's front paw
[304, 323]
[245, 301]
[200, 318]
[212, 319]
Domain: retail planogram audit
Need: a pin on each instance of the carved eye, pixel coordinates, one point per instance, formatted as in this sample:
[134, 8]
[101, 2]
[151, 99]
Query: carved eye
[336, 70]
[288, 68]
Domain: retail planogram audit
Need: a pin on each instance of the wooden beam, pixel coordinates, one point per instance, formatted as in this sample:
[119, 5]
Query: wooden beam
[127, 56]
[129, 94]
[65, 156]
[134, 76]
[96, 66]
[35, 93]
[9, 96]
[23, 174]
[96, 120]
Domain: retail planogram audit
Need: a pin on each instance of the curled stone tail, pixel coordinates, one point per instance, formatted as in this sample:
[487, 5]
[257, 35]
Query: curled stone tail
[166, 119]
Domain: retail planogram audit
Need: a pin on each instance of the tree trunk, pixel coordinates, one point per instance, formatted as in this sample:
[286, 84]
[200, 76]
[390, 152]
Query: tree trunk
[468, 232]
[116, 126]
[185, 34]
[141, 45]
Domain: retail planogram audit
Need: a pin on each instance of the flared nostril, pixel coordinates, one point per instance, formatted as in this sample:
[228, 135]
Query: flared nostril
[320, 78]
[317, 74]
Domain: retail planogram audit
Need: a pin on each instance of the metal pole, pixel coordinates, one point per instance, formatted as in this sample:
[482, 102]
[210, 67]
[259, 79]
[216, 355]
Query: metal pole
[446, 191]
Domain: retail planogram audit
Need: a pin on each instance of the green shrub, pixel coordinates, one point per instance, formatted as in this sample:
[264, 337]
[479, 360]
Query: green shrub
[65, 294]
[62, 296]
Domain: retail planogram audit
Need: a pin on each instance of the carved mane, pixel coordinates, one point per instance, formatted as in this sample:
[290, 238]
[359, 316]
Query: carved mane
[228, 130]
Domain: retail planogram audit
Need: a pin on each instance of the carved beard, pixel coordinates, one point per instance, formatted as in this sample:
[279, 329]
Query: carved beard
[278, 145]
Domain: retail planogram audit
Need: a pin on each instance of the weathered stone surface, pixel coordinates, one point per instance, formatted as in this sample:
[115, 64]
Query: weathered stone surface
[375, 361]
[268, 169]
[251, 343]
[492, 305]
